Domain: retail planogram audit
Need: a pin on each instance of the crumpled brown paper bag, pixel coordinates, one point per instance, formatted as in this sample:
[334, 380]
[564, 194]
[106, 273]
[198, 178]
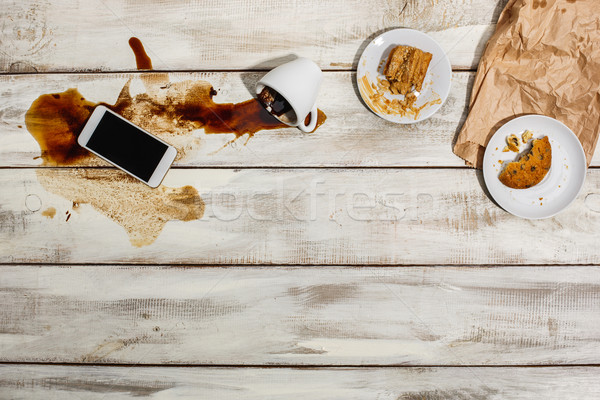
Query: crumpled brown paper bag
[544, 58]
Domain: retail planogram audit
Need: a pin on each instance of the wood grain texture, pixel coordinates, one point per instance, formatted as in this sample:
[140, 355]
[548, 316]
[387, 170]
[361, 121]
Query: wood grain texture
[296, 216]
[76, 35]
[300, 316]
[61, 382]
[322, 313]
[351, 135]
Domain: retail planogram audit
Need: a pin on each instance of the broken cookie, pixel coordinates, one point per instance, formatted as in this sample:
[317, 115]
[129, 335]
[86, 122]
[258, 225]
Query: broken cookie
[531, 168]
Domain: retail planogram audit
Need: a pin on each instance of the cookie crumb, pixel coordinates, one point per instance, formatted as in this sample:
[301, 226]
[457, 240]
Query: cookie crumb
[513, 143]
[526, 136]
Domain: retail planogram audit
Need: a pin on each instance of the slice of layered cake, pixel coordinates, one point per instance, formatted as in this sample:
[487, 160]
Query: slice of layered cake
[406, 69]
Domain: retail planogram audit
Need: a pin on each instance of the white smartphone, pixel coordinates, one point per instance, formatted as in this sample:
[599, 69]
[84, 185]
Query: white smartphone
[126, 146]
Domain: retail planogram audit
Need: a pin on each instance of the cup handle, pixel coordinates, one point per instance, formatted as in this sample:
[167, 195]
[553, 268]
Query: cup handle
[313, 121]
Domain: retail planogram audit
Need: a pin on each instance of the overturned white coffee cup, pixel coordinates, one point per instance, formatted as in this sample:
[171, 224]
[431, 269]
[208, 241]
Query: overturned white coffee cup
[289, 92]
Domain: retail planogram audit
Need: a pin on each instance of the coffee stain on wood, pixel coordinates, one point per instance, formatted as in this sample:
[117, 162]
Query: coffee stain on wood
[55, 120]
[172, 111]
[142, 60]
[49, 212]
[139, 209]
[346, 65]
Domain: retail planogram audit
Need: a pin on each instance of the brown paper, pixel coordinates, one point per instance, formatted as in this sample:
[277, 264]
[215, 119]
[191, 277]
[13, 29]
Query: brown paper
[544, 58]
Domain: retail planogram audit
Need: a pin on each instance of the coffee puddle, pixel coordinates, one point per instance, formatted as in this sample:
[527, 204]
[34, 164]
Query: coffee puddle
[55, 120]
[139, 209]
[170, 110]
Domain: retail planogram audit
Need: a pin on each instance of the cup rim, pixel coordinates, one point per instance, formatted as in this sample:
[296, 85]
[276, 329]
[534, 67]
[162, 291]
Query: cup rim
[297, 120]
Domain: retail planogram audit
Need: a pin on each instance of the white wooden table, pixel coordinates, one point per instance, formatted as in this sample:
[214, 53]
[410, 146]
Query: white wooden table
[362, 261]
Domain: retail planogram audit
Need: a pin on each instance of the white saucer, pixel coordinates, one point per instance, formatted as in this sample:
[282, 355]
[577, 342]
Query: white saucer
[437, 81]
[559, 187]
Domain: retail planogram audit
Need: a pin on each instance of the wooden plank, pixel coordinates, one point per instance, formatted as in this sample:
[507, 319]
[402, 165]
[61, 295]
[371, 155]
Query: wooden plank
[80, 35]
[450, 316]
[351, 135]
[289, 216]
[64, 382]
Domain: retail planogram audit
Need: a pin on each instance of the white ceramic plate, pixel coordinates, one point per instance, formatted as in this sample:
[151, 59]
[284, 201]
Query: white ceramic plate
[559, 187]
[437, 81]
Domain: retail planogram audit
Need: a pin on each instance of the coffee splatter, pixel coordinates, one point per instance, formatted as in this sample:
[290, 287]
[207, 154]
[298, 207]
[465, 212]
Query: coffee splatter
[139, 209]
[49, 212]
[170, 110]
[55, 120]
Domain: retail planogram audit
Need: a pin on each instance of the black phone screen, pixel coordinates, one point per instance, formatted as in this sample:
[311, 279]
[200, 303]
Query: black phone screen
[127, 146]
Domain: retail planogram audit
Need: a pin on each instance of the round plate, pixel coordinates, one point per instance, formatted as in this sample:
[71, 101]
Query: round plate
[560, 186]
[435, 86]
